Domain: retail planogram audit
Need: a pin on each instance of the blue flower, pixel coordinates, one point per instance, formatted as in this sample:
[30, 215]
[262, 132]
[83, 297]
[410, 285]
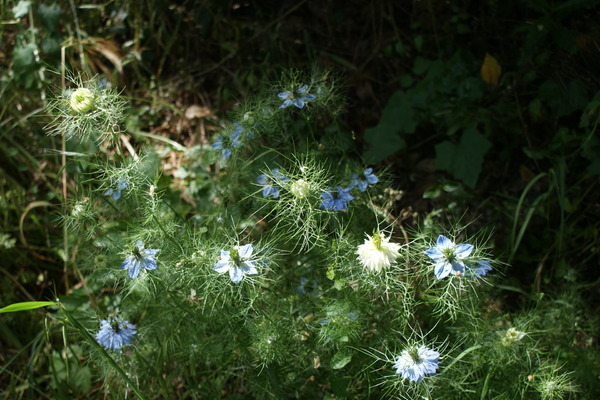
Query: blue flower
[115, 333]
[481, 268]
[448, 257]
[269, 183]
[336, 200]
[238, 262]
[298, 101]
[228, 144]
[139, 258]
[117, 186]
[417, 362]
[370, 179]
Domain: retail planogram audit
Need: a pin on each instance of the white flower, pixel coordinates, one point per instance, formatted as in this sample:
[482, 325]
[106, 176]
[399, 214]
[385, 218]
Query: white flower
[377, 252]
[82, 100]
[238, 262]
[417, 362]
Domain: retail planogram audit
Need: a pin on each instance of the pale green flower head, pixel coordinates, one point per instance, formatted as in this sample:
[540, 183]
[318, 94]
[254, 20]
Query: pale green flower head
[82, 100]
[512, 336]
[300, 188]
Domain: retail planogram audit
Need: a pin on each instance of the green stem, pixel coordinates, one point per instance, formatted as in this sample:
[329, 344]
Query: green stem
[101, 350]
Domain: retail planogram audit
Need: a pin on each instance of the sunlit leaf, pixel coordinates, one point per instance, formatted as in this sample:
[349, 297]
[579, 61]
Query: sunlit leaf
[28, 305]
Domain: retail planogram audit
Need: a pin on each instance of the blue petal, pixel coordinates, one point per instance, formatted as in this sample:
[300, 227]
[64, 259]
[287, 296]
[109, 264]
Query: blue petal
[444, 243]
[222, 266]
[434, 253]
[309, 97]
[284, 95]
[236, 275]
[303, 89]
[299, 103]
[362, 185]
[108, 192]
[262, 179]
[463, 250]
[134, 270]
[267, 191]
[116, 195]
[149, 264]
[226, 153]
[442, 269]
[245, 251]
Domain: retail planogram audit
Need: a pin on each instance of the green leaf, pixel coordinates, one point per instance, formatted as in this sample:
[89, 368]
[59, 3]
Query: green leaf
[49, 15]
[397, 117]
[23, 57]
[463, 160]
[28, 305]
[341, 359]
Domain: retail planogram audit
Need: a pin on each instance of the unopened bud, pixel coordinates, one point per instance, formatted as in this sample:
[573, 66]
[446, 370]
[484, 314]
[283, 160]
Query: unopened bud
[300, 188]
[82, 100]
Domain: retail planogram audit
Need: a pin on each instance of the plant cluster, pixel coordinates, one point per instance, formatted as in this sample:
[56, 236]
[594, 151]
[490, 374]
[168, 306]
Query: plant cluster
[296, 280]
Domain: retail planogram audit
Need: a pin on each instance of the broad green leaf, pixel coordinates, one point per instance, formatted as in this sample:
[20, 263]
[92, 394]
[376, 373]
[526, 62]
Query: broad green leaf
[49, 15]
[463, 160]
[28, 305]
[397, 117]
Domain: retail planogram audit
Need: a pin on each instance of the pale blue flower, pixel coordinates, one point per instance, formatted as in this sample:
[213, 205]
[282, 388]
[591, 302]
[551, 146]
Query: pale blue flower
[336, 200]
[115, 333]
[480, 268]
[370, 179]
[117, 185]
[139, 258]
[448, 257]
[417, 362]
[238, 262]
[270, 183]
[298, 99]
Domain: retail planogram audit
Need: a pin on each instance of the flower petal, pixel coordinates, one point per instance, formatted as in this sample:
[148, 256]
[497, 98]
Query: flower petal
[463, 250]
[245, 251]
[442, 269]
[236, 275]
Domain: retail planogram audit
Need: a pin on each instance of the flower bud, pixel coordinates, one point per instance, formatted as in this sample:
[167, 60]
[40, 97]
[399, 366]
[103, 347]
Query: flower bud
[82, 100]
[300, 188]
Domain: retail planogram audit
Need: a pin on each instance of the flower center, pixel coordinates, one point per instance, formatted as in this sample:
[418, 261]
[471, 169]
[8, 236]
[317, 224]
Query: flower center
[414, 354]
[137, 254]
[234, 254]
[377, 240]
[449, 254]
[115, 326]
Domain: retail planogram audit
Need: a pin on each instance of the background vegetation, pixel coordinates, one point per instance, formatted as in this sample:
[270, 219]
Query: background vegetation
[482, 112]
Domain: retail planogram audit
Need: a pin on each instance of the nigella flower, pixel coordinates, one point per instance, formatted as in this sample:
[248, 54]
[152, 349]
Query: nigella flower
[228, 144]
[448, 257]
[298, 101]
[139, 258]
[336, 200]
[370, 179]
[377, 252]
[417, 362]
[481, 268]
[118, 185]
[115, 333]
[238, 262]
[269, 183]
